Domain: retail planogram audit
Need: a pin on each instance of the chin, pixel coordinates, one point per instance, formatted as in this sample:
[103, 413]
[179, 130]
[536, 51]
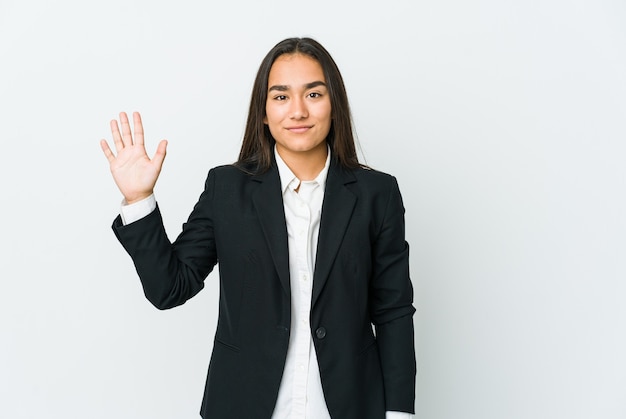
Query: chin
[303, 148]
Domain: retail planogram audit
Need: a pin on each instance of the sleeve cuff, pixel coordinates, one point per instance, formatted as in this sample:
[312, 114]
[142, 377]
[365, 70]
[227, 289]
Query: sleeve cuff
[398, 415]
[136, 211]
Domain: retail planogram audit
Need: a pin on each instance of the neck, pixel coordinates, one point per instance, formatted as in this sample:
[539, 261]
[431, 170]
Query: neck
[305, 165]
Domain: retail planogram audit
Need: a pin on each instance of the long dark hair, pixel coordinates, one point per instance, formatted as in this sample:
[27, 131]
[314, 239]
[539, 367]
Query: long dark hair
[257, 146]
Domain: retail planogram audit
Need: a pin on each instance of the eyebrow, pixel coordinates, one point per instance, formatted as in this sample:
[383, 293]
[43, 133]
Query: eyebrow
[284, 88]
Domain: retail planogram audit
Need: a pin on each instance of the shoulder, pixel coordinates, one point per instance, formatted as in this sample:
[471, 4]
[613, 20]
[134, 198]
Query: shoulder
[373, 178]
[229, 172]
[377, 186]
[223, 178]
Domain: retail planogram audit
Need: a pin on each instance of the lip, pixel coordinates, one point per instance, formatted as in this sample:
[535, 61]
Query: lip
[299, 128]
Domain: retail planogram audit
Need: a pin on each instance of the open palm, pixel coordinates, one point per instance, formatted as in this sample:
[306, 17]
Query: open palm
[133, 171]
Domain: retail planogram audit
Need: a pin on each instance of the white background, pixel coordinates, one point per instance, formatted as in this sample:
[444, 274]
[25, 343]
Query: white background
[504, 122]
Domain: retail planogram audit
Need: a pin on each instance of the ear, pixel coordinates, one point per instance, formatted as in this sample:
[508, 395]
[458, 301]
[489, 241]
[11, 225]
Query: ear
[265, 119]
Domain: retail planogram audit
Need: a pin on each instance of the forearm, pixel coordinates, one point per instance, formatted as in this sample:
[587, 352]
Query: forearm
[171, 273]
[169, 276]
[397, 356]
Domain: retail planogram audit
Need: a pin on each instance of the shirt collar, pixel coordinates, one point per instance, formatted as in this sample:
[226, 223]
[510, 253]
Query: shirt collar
[287, 177]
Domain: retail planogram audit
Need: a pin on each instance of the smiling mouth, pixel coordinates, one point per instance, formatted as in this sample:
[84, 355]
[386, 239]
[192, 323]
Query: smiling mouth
[299, 129]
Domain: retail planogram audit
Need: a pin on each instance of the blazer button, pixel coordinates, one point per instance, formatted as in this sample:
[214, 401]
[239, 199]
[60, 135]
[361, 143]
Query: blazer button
[320, 333]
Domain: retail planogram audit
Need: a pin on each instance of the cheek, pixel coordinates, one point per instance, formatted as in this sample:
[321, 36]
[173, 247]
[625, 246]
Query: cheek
[272, 124]
[328, 118]
[272, 115]
[270, 120]
[327, 112]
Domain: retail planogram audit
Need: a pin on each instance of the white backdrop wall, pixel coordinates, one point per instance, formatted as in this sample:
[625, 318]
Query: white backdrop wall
[504, 122]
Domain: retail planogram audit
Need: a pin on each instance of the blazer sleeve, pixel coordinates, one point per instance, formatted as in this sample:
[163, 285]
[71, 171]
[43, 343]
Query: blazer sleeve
[391, 306]
[171, 273]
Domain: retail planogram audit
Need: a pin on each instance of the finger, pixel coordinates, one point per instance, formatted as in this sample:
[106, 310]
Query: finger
[127, 137]
[160, 153]
[138, 126]
[117, 137]
[107, 151]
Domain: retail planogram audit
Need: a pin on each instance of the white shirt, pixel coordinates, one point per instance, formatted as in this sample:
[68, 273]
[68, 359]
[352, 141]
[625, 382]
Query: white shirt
[300, 395]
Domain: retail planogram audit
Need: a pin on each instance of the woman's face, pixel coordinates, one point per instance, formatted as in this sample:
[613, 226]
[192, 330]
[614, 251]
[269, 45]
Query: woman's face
[298, 111]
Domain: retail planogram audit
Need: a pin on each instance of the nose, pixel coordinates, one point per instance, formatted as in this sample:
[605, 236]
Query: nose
[298, 109]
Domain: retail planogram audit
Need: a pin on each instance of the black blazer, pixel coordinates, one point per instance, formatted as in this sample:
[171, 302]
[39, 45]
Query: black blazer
[361, 278]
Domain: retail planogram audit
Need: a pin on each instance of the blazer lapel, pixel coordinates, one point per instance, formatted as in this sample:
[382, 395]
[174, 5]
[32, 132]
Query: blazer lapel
[337, 209]
[268, 201]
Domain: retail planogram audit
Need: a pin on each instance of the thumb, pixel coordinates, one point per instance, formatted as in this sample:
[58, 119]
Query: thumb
[160, 153]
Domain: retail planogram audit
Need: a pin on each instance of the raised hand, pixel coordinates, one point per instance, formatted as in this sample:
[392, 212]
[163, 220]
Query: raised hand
[134, 173]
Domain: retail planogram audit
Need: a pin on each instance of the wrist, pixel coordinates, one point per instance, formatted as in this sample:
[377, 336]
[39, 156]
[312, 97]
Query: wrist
[136, 198]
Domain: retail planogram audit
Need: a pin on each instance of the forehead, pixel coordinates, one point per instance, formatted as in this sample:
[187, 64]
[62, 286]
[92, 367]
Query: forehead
[295, 70]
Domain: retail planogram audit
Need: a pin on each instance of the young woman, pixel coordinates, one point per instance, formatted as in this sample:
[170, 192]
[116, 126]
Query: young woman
[311, 253]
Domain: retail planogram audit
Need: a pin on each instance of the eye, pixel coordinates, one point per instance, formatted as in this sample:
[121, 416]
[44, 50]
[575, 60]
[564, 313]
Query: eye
[280, 97]
[315, 94]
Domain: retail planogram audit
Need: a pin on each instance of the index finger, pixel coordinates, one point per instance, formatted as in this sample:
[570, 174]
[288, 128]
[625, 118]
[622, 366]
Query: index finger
[138, 128]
